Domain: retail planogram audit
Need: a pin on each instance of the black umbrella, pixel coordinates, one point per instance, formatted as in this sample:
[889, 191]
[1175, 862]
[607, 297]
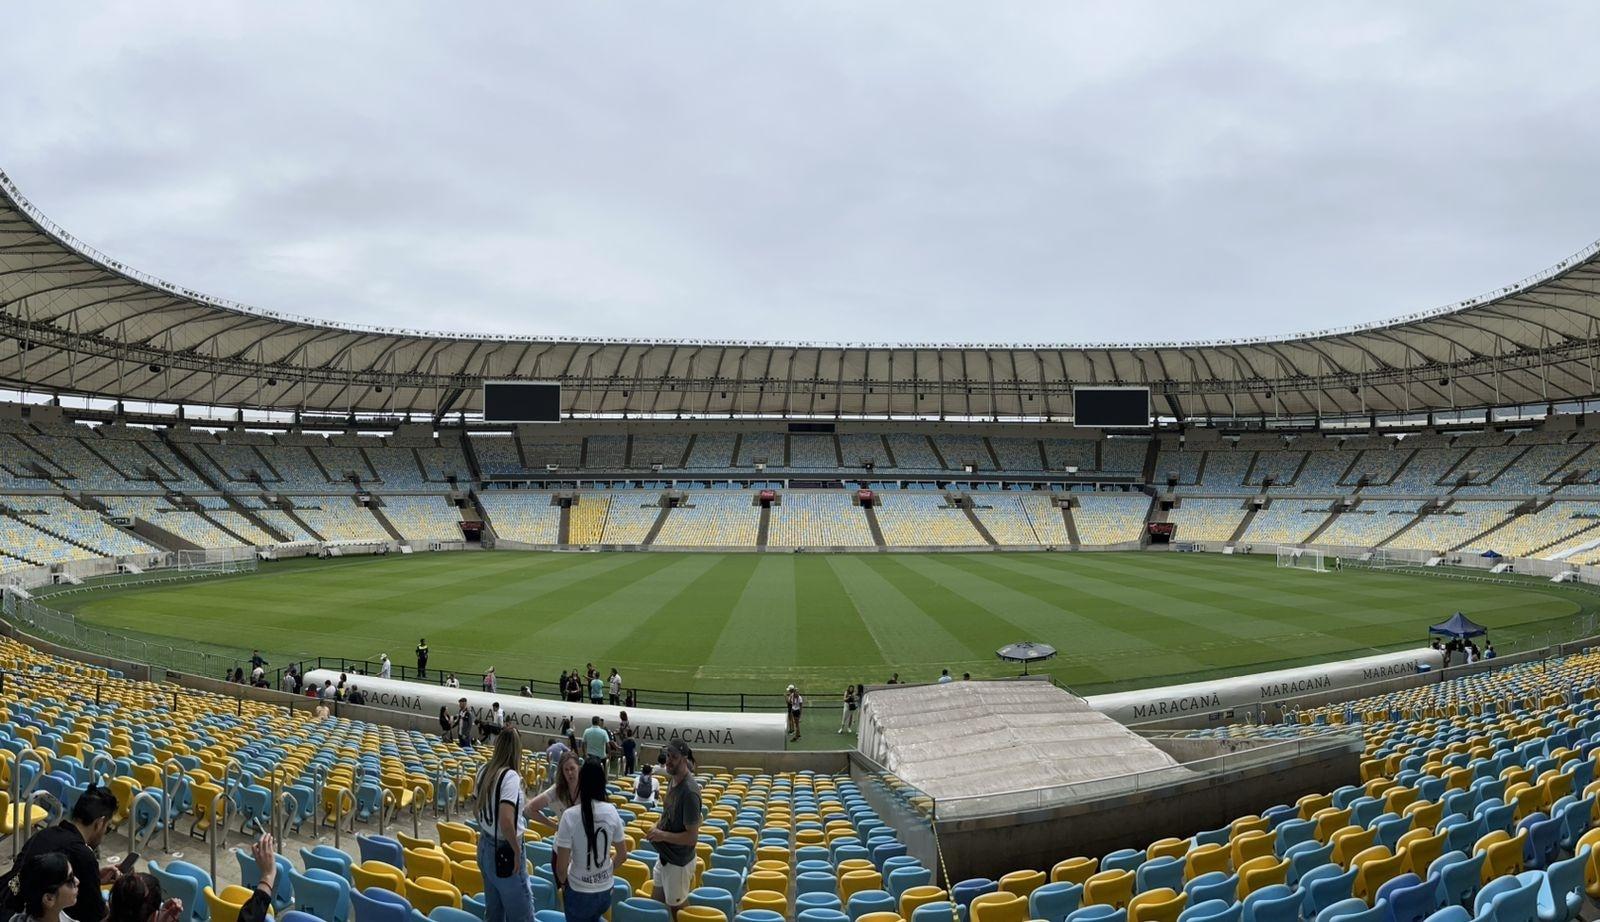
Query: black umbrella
[1026, 652]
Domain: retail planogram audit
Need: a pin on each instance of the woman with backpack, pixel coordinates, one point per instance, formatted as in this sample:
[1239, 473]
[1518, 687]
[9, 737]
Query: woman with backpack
[590, 846]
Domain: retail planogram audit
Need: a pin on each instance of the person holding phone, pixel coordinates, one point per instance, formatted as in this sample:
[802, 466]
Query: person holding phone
[76, 837]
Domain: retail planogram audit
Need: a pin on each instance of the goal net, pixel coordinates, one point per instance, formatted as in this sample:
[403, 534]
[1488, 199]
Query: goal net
[217, 560]
[1298, 558]
[1389, 560]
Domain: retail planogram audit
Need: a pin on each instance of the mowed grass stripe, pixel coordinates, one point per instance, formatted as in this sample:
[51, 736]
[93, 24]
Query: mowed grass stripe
[762, 632]
[904, 632]
[684, 628]
[832, 636]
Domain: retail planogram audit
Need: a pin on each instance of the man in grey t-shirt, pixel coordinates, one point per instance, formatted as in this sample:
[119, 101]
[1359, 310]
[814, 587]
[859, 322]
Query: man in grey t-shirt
[678, 831]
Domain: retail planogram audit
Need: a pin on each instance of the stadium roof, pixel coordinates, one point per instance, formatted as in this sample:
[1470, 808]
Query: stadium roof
[76, 321]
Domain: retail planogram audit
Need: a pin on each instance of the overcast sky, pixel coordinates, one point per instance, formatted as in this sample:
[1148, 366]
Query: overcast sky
[848, 171]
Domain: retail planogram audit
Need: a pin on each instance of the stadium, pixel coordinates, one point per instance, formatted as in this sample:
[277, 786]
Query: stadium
[1288, 628]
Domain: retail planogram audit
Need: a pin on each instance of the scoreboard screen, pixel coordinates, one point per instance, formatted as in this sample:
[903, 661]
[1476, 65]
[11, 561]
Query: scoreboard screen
[1111, 407]
[521, 402]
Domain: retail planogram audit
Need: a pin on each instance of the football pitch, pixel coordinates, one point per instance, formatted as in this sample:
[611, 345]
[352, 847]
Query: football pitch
[755, 622]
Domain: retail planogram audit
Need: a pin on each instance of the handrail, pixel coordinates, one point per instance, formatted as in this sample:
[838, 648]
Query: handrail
[416, 811]
[134, 844]
[20, 796]
[385, 801]
[172, 779]
[218, 828]
[55, 815]
[339, 807]
[96, 757]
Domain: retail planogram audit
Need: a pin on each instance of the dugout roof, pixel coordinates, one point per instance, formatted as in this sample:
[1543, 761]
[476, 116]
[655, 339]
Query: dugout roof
[76, 321]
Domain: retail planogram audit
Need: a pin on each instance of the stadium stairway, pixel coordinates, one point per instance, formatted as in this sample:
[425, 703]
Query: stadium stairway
[965, 502]
[487, 537]
[295, 518]
[1334, 512]
[1421, 514]
[1072, 525]
[564, 526]
[1154, 514]
[761, 528]
[872, 525]
[1522, 509]
[1244, 524]
[376, 508]
[661, 521]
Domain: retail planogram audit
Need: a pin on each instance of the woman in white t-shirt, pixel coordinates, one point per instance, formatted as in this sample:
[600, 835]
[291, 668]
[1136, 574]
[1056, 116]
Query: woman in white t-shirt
[500, 821]
[590, 846]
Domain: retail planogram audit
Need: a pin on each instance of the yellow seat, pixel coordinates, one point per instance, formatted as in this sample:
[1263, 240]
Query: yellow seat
[1311, 804]
[1421, 848]
[378, 874]
[1261, 872]
[1591, 868]
[850, 864]
[1203, 859]
[427, 862]
[1112, 888]
[1078, 870]
[1330, 821]
[456, 832]
[767, 880]
[1250, 845]
[925, 894]
[337, 803]
[1350, 842]
[413, 842]
[765, 899]
[429, 893]
[998, 907]
[1503, 853]
[1374, 867]
[1425, 814]
[1022, 883]
[1168, 848]
[852, 883]
[701, 914]
[1246, 824]
[1159, 905]
[19, 816]
[460, 851]
[466, 876]
[226, 905]
[636, 873]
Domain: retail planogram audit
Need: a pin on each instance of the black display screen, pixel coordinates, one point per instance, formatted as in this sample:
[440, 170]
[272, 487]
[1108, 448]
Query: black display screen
[1111, 407]
[521, 402]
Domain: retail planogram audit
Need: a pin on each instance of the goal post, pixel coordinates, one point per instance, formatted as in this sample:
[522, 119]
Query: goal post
[1302, 558]
[216, 560]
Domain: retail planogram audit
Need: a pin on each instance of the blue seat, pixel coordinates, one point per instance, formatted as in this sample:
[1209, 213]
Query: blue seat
[904, 878]
[1272, 903]
[1496, 814]
[830, 915]
[863, 902]
[1054, 901]
[1463, 832]
[1212, 911]
[726, 879]
[1123, 859]
[1165, 871]
[1325, 886]
[818, 899]
[1212, 885]
[475, 905]
[1099, 913]
[1561, 895]
[450, 914]
[1411, 900]
[714, 897]
[1459, 877]
[963, 893]
[1354, 910]
[380, 848]
[886, 850]
[1544, 840]
[1512, 898]
[637, 909]
[379, 905]
[250, 875]
[549, 915]
[1291, 833]
[185, 889]
[322, 893]
[732, 859]
[295, 915]
[544, 892]
[939, 911]
[1390, 828]
[815, 882]
[327, 858]
[1303, 856]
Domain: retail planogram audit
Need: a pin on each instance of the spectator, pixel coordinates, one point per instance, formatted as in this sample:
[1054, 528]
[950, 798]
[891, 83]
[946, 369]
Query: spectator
[489, 681]
[678, 831]
[1488, 650]
[258, 676]
[45, 887]
[794, 704]
[590, 846]
[574, 690]
[322, 711]
[966, 676]
[597, 689]
[631, 699]
[526, 691]
[446, 722]
[238, 675]
[563, 791]
[259, 906]
[554, 752]
[385, 668]
[422, 658]
[452, 682]
[137, 898]
[355, 695]
[644, 788]
[464, 723]
[494, 721]
[616, 686]
[256, 659]
[847, 720]
[944, 677]
[595, 740]
[502, 816]
[894, 679]
[76, 838]
[630, 746]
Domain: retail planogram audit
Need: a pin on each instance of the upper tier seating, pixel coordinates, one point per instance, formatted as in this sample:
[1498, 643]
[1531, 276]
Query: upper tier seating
[761, 447]
[855, 447]
[912, 452]
[541, 449]
[665, 450]
[1549, 528]
[712, 451]
[1123, 456]
[605, 452]
[961, 450]
[496, 454]
[1017, 454]
[811, 452]
[805, 518]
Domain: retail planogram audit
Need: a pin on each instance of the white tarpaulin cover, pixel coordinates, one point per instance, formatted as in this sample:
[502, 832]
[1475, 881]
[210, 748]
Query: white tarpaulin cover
[965, 739]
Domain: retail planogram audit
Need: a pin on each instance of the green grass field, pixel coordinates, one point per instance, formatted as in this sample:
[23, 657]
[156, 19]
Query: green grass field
[748, 622]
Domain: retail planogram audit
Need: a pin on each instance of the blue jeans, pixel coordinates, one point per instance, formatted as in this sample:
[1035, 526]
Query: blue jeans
[505, 899]
[585, 907]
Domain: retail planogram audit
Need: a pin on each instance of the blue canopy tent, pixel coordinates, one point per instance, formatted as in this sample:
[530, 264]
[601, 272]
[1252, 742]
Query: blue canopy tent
[1459, 626]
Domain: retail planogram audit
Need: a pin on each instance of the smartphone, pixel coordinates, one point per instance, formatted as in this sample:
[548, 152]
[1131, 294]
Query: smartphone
[127, 865]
